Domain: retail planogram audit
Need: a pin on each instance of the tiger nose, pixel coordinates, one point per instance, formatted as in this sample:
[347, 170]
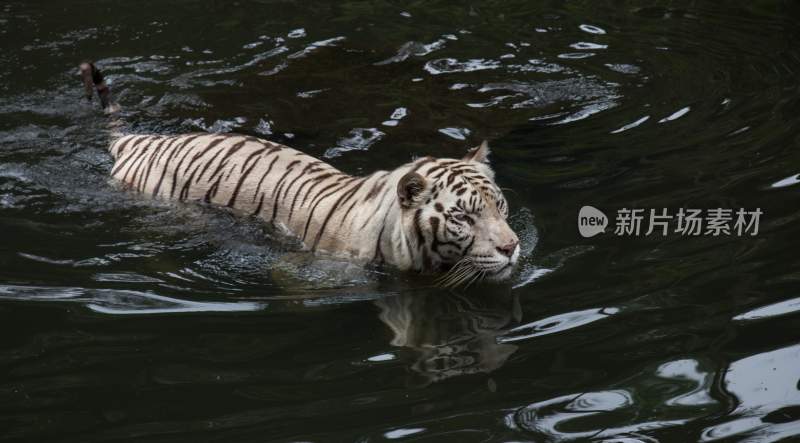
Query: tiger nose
[508, 249]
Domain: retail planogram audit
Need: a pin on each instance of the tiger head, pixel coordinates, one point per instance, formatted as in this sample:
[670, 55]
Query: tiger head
[458, 216]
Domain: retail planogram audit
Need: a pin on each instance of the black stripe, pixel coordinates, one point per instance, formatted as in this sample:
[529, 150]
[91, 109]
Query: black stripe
[184, 194]
[124, 144]
[418, 229]
[212, 191]
[301, 174]
[341, 182]
[318, 180]
[167, 148]
[142, 180]
[235, 148]
[469, 246]
[343, 199]
[230, 171]
[379, 184]
[344, 217]
[430, 171]
[138, 162]
[422, 162]
[239, 184]
[378, 253]
[176, 171]
[224, 160]
[250, 157]
[310, 215]
[119, 166]
[200, 154]
[258, 186]
[300, 189]
[205, 166]
[169, 158]
[276, 192]
[135, 164]
[383, 197]
[441, 173]
[260, 204]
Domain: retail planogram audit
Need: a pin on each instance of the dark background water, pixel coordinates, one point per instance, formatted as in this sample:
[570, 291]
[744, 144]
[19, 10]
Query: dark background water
[123, 319]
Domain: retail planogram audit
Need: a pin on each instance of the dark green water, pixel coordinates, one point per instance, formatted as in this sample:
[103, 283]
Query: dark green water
[123, 319]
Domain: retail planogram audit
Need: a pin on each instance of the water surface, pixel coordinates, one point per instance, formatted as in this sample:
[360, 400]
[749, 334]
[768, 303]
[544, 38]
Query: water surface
[126, 319]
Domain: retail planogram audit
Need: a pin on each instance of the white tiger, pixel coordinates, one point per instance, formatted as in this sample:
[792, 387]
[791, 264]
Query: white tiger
[430, 215]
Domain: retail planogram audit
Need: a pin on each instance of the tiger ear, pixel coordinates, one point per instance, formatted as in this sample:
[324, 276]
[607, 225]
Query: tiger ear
[478, 154]
[412, 190]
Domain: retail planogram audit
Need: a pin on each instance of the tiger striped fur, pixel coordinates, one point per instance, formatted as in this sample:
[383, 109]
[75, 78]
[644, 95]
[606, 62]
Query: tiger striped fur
[432, 214]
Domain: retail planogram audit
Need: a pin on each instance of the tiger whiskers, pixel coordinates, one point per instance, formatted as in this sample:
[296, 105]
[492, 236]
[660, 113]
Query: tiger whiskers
[464, 271]
[478, 277]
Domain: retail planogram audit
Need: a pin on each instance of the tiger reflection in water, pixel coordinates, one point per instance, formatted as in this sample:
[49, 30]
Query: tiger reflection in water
[452, 334]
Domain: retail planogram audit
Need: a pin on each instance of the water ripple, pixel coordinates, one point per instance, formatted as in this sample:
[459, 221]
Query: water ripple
[359, 139]
[631, 125]
[766, 387]
[121, 302]
[678, 391]
[788, 181]
[451, 65]
[781, 308]
[557, 323]
[676, 115]
[413, 49]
